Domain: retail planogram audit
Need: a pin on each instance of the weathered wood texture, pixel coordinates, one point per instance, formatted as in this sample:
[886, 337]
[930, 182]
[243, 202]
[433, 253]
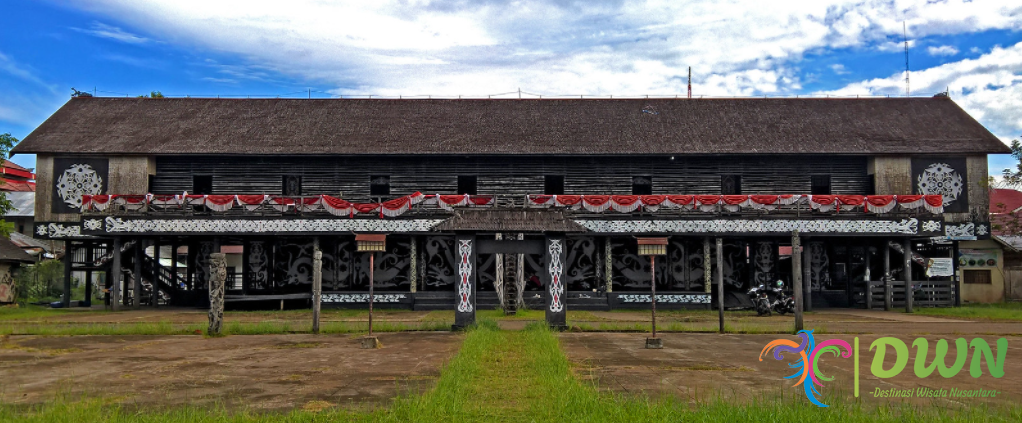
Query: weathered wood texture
[349, 177]
[893, 174]
[129, 174]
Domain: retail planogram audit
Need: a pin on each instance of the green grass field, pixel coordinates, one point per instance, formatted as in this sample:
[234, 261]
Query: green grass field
[997, 311]
[512, 376]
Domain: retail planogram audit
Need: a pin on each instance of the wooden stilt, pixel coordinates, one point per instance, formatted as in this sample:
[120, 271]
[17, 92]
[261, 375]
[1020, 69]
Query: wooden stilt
[720, 282]
[69, 253]
[807, 279]
[136, 288]
[217, 277]
[796, 276]
[317, 284]
[115, 275]
[888, 296]
[907, 246]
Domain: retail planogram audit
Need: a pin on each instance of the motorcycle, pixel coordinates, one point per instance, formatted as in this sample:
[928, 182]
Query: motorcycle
[760, 299]
[771, 300]
[783, 303]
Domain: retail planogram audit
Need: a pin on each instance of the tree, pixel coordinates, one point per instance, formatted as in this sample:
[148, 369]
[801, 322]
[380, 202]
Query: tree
[153, 94]
[7, 142]
[1013, 178]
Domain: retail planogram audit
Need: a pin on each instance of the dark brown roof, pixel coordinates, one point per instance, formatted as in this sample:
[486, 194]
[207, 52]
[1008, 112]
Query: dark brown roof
[510, 221]
[10, 252]
[625, 126]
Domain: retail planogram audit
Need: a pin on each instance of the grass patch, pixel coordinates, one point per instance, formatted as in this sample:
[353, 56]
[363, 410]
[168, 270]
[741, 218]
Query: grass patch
[34, 312]
[230, 328]
[505, 376]
[1011, 312]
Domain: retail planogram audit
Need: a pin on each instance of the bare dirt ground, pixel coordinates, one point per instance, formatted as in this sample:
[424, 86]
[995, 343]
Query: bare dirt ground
[707, 366]
[258, 371]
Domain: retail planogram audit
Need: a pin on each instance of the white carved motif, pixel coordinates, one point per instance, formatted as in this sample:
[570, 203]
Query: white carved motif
[931, 226]
[58, 230]
[665, 298]
[114, 224]
[905, 226]
[965, 229]
[556, 271]
[92, 224]
[981, 230]
[77, 180]
[939, 178]
[465, 273]
[362, 298]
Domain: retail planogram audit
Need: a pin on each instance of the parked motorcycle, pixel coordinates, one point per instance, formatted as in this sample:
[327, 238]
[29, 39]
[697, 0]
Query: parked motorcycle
[774, 299]
[760, 299]
[783, 303]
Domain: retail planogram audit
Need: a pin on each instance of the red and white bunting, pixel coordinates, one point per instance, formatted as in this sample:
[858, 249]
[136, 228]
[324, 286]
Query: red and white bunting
[880, 203]
[219, 203]
[823, 203]
[130, 202]
[165, 201]
[932, 203]
[251, 202]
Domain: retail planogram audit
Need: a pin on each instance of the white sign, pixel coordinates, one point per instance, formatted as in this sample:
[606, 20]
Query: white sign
[940, 267]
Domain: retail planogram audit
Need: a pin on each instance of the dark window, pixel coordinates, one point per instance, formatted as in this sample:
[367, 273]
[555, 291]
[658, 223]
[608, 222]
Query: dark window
[820, 185]
[467, 184]
[976, 276]
[642, 185]
[202, 184]
[379, 185]
[553, 184]
[291, 185]
[731, 184]
[872, 188]
[149, 183]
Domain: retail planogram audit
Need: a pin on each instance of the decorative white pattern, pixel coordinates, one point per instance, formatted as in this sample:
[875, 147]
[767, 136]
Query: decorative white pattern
[92, 224]
[465, 272]
[964, 229]
[115, 224]
[931, 226]
[362, 298]
[905, 226]
[58, 230]
[981, 230]
[556, 270]
[665, 298]
[77, 180]
[939, 178]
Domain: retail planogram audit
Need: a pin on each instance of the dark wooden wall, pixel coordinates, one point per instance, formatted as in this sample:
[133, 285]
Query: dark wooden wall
[349, 176]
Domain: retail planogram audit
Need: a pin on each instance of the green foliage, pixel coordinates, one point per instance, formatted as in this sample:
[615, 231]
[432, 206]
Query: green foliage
[39, 282]
[153, 94]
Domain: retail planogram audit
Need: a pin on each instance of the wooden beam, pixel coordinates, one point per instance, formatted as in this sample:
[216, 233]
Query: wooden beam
[115, 274]
[317, 283]
[796, 275]
[720, 282]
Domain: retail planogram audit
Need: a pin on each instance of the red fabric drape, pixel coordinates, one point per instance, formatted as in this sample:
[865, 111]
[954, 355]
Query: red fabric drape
[763, 199]
[652, 200]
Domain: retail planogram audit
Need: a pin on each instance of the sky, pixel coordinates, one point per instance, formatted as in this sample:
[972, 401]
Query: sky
[321, 48]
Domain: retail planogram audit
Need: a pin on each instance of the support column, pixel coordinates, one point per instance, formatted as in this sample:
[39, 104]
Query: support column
[136, 289]
[957, 278]
[807, 278]
[907, 246]
[69, 253]
[317, 283]
[465, 309]
[217, 276]
[888, 296]
[553, 282]
[707, 270]
[608, 264]
[89, 254]
[796, 276]
[157, 271]
[869, 283]
[720, 282]
[115, 274]
[413, 268]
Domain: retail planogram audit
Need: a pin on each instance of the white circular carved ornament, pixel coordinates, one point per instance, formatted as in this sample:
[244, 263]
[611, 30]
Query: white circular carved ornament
[77, 180]
[939, 178]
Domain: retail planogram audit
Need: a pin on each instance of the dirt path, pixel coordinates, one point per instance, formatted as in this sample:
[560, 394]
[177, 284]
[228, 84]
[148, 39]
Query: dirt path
[704, 366]
[257, 371]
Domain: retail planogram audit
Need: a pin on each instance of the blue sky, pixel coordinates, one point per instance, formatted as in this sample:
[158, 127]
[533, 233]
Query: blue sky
[476, 48]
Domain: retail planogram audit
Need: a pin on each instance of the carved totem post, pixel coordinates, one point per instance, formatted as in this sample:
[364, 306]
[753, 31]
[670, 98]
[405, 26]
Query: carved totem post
[465, 308]
[217, 277]
[553, 282]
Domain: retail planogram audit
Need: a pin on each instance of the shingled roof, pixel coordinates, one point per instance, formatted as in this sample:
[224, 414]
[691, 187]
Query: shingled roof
[538, 126]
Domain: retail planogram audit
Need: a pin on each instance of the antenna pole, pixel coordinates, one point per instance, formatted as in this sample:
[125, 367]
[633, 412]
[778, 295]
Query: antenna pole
[690, 82]
[904, 29]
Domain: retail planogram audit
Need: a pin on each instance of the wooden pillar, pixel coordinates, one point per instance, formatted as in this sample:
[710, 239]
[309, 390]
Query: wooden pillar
[796, 276]
[720, 282]
[157, 272]
[869, 283]
[465, 307]
[89, 254]
[907, 246]
[174, 278]
[190, 264]
[553, 282]
[413, 265]
[707, 270]
[957, 278]
[107, 287]
[888, 295]
[115, 274]
[807, 278]
[217, 277]
[317, 283]
[136, 289]
[69, 253]
[608, 264]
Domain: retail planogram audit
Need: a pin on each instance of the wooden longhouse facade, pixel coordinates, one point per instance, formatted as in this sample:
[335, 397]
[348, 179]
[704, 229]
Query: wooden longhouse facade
[534, 203]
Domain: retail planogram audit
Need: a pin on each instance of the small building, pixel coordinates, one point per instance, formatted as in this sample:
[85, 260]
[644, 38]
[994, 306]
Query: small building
[11, 256]
[512, 203]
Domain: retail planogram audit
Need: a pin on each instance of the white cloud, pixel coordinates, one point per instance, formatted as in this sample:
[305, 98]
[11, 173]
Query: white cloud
[942, 51]
[101, 30]
[989, 87]
[736, 47]
[839, 69]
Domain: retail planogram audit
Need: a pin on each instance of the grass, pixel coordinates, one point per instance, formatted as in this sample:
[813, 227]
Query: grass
[230, 328]
[503, 376]
[997, 311]
[31, 312]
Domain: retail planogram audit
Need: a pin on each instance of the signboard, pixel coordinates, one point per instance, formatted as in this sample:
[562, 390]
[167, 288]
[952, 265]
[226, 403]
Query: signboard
[943, 266]
[977, 258]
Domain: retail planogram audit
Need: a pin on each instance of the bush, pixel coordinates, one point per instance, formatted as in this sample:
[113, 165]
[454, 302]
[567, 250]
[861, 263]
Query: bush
[41, 281]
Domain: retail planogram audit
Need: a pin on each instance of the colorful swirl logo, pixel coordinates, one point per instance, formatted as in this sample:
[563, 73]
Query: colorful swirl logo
[809, 353]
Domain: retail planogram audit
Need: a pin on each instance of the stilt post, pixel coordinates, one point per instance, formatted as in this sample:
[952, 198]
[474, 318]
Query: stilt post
[553, 282]
[807, 279]
[720, 282]
[115, 274]
[888, 296]
[156, 273]
[217, 277]
[69, 253]
[136, 290]
[907, 246]
[317, 284]
[796, 276]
